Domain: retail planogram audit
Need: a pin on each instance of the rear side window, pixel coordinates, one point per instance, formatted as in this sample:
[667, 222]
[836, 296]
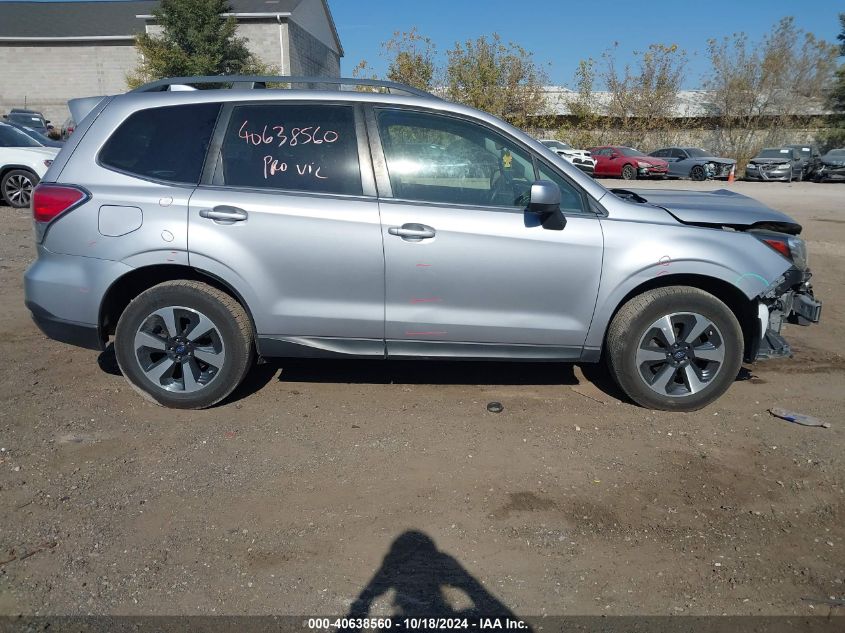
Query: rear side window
[166, 143]
[300, 147]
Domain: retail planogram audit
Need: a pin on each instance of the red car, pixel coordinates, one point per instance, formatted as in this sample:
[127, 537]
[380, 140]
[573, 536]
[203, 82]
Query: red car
[627, 163]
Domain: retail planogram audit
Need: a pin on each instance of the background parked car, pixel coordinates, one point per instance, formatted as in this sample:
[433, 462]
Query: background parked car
[694, 163]
[627, 163]
[32, 119]
[810, 159]
[38, 137]
[23, 162]
[832, 166]
[776, 163]
[579, 157]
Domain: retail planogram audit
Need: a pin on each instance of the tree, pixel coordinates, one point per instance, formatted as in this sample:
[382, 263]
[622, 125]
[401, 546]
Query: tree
[502, 79]
[759, 90]
[412, 59]
[640, 102]
[194, 40]
[835, 136]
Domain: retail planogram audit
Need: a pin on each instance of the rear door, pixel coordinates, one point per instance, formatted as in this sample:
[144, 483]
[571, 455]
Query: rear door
[285, 216]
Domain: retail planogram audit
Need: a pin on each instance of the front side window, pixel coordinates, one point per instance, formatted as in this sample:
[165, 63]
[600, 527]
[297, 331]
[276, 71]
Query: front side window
[167, 143]
[435, 158]
[571, 200]
[301, 147]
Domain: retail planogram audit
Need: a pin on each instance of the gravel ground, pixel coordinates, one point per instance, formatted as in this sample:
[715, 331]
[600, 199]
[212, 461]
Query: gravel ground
[321, 479]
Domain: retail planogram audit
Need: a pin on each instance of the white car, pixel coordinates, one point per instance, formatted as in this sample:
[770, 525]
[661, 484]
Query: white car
[578, 157]
[23, 162]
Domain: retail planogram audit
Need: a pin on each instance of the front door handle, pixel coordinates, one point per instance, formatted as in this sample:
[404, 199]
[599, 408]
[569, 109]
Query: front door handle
[412, 232]
[224, 213]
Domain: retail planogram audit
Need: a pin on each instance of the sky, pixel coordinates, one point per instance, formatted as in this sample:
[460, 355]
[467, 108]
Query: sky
[561, 32]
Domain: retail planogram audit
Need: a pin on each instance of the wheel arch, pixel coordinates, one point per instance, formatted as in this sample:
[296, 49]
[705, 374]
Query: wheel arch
[128, 286]
[743, 308]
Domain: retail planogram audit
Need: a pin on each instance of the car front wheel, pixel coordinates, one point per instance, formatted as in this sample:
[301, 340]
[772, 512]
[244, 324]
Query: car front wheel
[184, 344]
[17, 186]
[676, 348]
[697, 173]
[629, 173]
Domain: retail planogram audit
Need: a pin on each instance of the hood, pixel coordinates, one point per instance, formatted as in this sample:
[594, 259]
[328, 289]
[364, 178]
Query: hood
[651, 159]
[721, 208]
[769, 161]
[36, 152]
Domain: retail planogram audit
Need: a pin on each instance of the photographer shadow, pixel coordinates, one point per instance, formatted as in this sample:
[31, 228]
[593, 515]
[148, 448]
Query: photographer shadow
[418, 573]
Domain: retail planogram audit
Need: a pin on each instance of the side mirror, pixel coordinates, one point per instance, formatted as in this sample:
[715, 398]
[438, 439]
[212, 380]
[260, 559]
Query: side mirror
[614, 155]
[544, 201]
[544, 197]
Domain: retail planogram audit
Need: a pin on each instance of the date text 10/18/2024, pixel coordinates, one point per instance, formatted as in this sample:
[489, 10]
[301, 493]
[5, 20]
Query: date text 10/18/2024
[412, 624]
[296, 136]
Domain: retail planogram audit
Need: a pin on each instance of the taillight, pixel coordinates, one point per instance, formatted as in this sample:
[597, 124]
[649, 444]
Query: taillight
[49, 201]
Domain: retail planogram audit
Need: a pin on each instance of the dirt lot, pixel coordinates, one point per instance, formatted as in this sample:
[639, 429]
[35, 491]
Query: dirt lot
[289, 498]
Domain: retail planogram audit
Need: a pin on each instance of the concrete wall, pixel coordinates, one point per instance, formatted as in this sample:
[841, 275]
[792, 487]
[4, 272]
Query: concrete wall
[43, 76]
[309, 56]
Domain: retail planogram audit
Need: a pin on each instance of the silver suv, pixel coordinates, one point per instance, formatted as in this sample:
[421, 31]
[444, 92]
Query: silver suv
[203, 228]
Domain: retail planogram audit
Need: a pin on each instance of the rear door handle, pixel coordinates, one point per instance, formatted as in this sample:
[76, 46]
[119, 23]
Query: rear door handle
[224, 213]
[412, 232]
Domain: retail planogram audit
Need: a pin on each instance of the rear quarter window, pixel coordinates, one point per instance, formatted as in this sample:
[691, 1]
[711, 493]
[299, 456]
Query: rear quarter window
[167, 143]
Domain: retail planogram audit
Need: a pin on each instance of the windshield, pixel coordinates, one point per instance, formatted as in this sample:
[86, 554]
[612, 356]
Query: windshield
[836, 153]
[556, 144]
[804, 151]
[32, 120]
[38, 136]
[630, 151]
[10, 137]
[773, 152]
[697, 152]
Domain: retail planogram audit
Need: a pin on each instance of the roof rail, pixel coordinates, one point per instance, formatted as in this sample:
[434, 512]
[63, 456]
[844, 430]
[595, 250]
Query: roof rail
[240, 82]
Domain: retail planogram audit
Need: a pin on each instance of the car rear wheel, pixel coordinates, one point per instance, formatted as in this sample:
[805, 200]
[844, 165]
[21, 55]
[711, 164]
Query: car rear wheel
[698, 173]
[17, 186]
[629, 173]
[184, 344]
[676, 348]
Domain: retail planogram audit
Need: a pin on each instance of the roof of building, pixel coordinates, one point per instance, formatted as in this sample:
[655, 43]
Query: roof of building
[120, 19]
[62, 20]
[688, 104]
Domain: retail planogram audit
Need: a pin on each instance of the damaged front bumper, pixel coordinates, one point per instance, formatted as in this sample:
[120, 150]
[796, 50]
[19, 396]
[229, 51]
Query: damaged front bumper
[791, 300]
[829, 172]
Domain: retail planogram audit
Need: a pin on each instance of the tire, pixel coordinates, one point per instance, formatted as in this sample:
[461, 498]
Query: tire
[698, 173]
[629, 173]
[688, 376]
[183, 370]
[16, 187]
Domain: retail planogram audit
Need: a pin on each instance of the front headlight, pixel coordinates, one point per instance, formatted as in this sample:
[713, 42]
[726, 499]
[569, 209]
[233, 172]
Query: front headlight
[643, 165]
[798, 249]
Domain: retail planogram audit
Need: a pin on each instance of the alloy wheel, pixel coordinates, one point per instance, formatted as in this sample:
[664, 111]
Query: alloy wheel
[18, 190]
[680, 354]
[179, 349]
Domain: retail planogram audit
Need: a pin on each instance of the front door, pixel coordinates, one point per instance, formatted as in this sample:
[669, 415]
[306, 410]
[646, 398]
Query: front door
[288, 221]
[468, 271]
